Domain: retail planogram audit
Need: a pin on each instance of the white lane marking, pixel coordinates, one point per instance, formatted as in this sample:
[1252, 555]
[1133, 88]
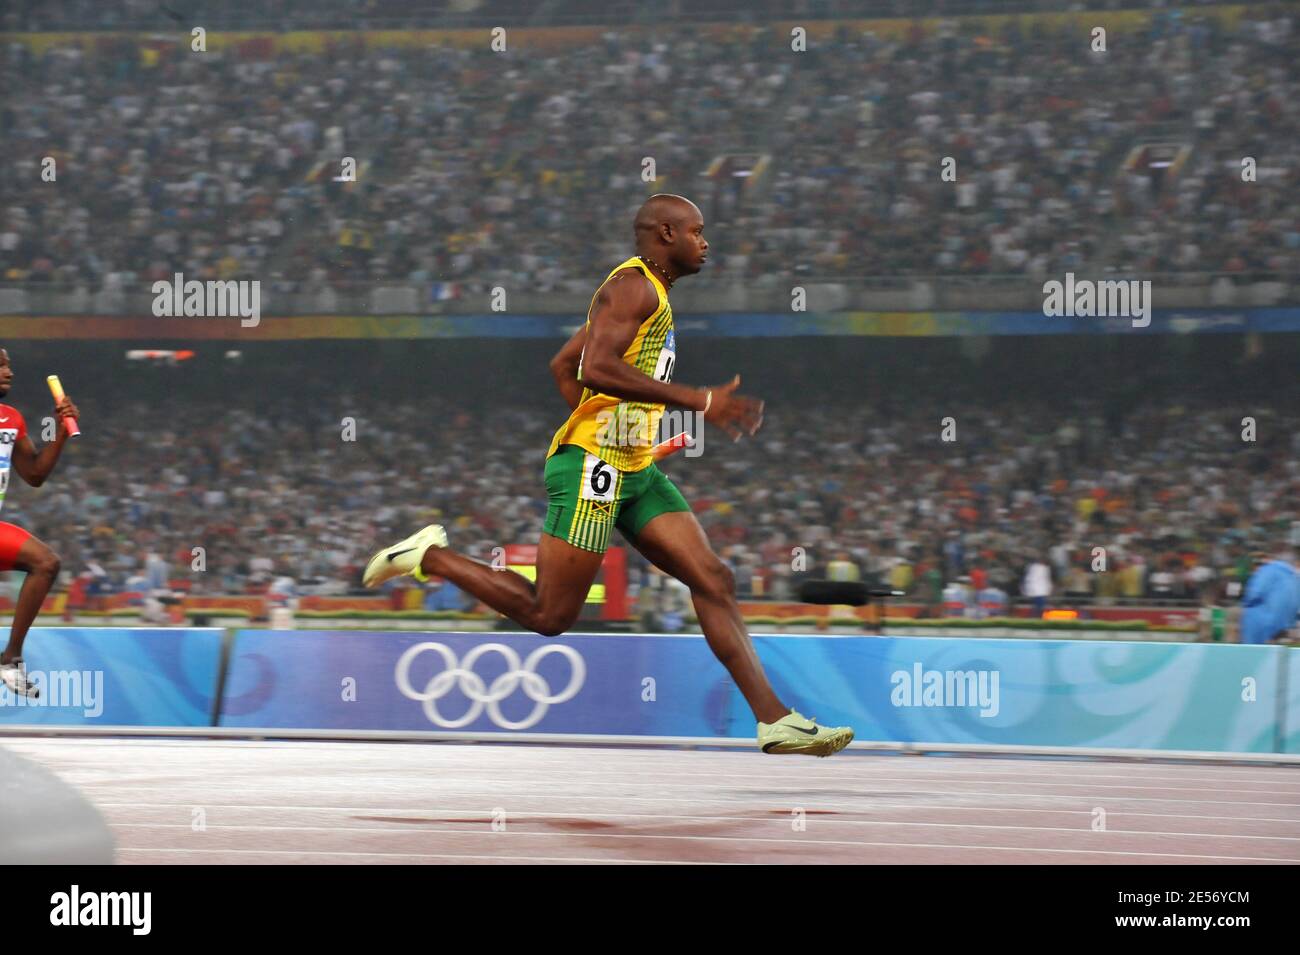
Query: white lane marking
[489, 773]
[659, 785]
[428, 855]
[783, 842]
[402, 825]
[208, 804]
[515, 753]
[836, 774]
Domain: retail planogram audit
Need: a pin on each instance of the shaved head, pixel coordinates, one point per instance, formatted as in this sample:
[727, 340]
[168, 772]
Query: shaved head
[670, 230]
[663, 209]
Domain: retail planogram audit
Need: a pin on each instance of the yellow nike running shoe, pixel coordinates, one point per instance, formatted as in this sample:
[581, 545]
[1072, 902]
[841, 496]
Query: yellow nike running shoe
[403, 557]
[795, 733]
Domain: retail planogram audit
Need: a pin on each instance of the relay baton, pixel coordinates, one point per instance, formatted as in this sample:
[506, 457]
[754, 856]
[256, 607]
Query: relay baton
[56, 390]
[672, 445]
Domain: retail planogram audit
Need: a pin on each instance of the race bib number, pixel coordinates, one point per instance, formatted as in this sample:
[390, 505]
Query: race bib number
[599, 479]
[7, 438]
[667, 358]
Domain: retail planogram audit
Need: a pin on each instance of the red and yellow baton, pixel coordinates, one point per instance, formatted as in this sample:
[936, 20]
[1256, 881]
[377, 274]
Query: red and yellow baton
[672, 446]
[56, 389]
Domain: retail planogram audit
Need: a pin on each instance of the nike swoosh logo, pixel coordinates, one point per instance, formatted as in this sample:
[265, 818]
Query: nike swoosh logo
[398, 553]
[767, 747]
[811, 732]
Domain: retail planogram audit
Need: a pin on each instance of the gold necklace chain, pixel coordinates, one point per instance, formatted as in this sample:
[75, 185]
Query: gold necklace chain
[668, 283]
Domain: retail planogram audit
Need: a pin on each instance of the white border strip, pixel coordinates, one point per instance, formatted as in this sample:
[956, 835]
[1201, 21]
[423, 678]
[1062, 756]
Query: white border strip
[595, 739]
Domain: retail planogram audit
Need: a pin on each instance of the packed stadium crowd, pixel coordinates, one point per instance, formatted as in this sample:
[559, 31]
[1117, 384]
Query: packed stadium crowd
[305, 491]
[476, 167]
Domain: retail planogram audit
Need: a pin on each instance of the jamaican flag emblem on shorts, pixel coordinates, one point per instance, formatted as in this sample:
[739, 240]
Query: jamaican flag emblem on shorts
[588, 496]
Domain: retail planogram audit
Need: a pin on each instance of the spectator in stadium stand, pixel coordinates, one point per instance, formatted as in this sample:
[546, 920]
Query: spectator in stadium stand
[283, 592]
[901, 574]
[992, 602]
[1037, 585]
[444, 595]
[931, 590]
[1162, 582]
[958, 598]
[1132, 574]
[155, 569]
[1078, 580]
[1272, 598]
[843, 568]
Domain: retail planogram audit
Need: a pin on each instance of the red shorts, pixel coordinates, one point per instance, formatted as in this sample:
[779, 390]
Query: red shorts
[11, 538]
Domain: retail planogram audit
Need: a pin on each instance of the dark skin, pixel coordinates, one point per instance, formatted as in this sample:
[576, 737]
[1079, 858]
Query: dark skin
[671, 233]
[34, 557]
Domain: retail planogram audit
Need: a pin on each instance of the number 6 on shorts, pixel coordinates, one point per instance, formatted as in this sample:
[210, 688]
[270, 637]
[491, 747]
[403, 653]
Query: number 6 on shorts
[599, 479]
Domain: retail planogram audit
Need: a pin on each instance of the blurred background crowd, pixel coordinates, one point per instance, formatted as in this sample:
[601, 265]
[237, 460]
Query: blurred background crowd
[476, 166]
[905, 463]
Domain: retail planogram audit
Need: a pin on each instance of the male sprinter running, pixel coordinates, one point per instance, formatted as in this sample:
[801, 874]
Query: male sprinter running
[615, 374]
[19, 550]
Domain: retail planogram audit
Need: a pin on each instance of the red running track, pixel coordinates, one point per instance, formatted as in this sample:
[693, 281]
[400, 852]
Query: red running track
[206, 801]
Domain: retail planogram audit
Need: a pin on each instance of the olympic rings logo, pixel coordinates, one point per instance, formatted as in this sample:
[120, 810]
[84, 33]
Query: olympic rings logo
[462, 675]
